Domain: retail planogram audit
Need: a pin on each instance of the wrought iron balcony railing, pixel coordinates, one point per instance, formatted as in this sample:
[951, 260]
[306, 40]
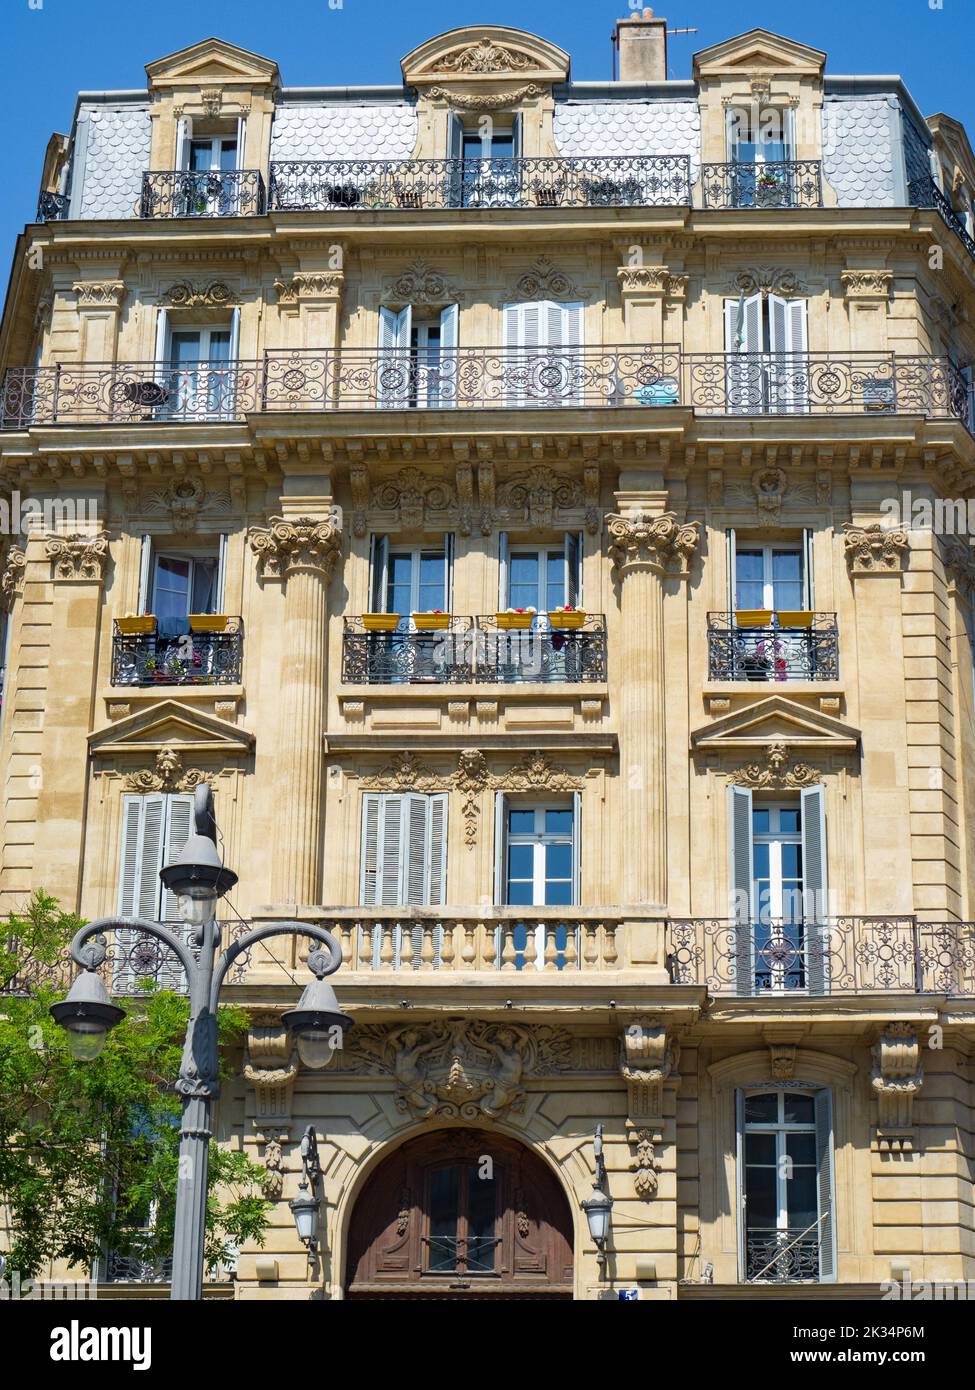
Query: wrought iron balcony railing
[790, 647]
[331, 185]
[190, 658]
[479, 650]
[640, 377]
[926, 193]
[52, 207]
[213, 193]
[783, 1255]
[790, 183]
[838, 955]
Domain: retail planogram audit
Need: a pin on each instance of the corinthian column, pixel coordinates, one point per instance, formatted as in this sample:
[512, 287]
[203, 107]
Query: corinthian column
[301, 553]
[645, 550]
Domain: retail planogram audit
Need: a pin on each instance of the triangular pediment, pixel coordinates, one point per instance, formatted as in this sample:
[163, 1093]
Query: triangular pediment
[171, 724]
[777, 719]
[759, 51]
[212, 61]
[483, 53]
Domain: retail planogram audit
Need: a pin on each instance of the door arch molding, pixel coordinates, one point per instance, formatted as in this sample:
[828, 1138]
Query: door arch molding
[459, 1212]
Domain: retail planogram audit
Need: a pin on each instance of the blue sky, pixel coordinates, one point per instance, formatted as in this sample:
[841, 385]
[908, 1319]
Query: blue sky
[62, 46]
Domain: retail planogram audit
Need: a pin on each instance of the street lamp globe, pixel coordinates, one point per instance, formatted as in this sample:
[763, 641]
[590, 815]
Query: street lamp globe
[317, 1025]
[87, 1014]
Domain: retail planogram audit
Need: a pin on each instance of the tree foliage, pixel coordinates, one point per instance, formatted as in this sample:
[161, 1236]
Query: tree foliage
[89, 1150]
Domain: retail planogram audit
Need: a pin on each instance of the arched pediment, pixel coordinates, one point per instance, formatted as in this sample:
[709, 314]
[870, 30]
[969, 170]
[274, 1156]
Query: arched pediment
[484, 53]
[759, 51]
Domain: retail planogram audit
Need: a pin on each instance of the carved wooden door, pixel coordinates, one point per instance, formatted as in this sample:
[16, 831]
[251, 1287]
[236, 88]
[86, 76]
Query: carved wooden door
[461, 1214]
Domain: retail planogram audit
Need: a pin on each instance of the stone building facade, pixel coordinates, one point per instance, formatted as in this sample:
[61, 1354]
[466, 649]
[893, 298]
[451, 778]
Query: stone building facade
[364, 376]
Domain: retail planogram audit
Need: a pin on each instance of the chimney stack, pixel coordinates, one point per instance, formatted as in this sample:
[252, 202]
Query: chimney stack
[642, 43]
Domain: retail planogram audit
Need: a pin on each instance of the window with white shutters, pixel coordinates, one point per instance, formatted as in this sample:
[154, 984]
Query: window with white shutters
[404, 849]
[542, 359]
[766, 347]
[154, 830]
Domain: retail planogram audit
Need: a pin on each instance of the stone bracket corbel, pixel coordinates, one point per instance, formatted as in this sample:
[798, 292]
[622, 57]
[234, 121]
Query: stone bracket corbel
[649, 1056]
[896, 1079]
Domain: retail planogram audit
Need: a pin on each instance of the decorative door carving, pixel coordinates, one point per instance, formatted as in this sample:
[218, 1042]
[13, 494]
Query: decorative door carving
[461, 1214]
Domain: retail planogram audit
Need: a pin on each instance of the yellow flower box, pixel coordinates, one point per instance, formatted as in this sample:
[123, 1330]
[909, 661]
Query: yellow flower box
[753, 617]
[137, 626]
[515, 620]
[208, 622]
[795, 617]
[431, 622]
[573, 617]
[380, 622]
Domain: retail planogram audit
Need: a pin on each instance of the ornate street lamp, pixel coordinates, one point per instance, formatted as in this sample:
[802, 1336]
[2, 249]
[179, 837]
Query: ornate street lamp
[599, 1206]
[198, 878]
[305, 1207]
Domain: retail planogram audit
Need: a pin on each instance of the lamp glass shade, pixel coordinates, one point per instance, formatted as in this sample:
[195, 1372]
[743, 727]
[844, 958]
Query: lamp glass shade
[597, 1209]
[316, 1046]
[86, 1038]
[86, 1014]
[305, 1212]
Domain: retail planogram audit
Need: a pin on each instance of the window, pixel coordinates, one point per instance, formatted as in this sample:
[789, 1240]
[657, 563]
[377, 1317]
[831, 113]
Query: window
[785, 1185]
[779, 898]
[486, 156]
[183, 584]
[217, 153]
[462, 1206]
[404, 849]
[408, 580]
[769, 577]
[538, 849]
[766, 343]
[542, 364]
[543, 577]
[775, 634]
[154, 830]
[417, 365]
[198, 379]
[760, 145]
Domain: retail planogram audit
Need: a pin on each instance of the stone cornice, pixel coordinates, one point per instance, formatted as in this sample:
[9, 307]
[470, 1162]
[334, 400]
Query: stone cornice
[290, 544]
[660, 543]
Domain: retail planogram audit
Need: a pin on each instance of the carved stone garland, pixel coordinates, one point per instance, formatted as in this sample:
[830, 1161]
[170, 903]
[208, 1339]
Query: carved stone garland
[777, 774]
[169, 775]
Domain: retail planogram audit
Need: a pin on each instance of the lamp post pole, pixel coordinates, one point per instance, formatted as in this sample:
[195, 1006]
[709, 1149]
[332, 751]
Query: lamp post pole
[198, 878]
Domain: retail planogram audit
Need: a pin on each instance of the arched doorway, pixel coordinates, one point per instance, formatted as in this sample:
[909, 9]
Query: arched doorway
[461, 1214]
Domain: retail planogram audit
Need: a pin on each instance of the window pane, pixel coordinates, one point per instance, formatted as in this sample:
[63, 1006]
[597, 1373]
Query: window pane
[521, 892]
[520, 861]
[228, 154]
[801, 1203]
[171, 597]
[558, 893]
[204, 586]
[790, 860]
[760, 1148]
[789, 820]
[799, 1110]
[760, 820]
[558, 861]
[443, 1219]
[801, 1148]
[762, 1109]
[555, 577]
[521, 822]
[219, 349]
[558, 822]
[481, 1221]
[761, 1202]
[201, 155]
[184, 347]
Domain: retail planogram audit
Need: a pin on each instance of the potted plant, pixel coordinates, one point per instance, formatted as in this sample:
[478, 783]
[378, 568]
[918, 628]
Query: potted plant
[136, 625]
[567, 616]
[516, 618]
[434, 621]
[380, 622]
[208, 622]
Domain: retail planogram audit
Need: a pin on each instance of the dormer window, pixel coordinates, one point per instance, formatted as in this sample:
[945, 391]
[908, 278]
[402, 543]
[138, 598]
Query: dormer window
[486, 154]
[213, 154]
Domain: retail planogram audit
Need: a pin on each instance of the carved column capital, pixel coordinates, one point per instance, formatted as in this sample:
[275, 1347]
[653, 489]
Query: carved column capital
[867, 284]
[77, 558]
[310, 286]
[659, 543]
[99, 294]
[875, 548]
[12, 576]
[290, 544]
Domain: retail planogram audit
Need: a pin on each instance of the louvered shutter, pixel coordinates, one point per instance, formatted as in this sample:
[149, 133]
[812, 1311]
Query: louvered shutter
[573, 568]
[143, 839]
[393, 813]
[379, 571]
[183, 126]
[789, 389]
[825, 1184]
[220, 595]
[437, 884]
[179, 821]
[743, 320]
[815, 905]
[145, 570]
[503, 601]
[448, 582]
[740, 885]
[369, 870]
[393, 367]
[132, 811]
[577, 848]
[741, 1221]
[809, 590]
[447, 369]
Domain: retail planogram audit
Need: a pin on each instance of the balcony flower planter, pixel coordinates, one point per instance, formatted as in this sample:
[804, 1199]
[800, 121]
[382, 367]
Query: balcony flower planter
[514, 619]
[567, 617]
[753, 617]
[794, 617]
[380, 622]
[208, 622]
[137, 626]
[431, 622]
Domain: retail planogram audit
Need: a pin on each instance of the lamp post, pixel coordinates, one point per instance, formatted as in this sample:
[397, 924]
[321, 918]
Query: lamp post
[198, 878]
[599, 1206]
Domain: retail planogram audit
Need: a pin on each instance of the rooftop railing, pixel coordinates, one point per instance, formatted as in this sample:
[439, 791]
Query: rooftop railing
[330, 185]
[212, 193]
[789, 183]
[644, 377]
[773, 647]
[926, 193]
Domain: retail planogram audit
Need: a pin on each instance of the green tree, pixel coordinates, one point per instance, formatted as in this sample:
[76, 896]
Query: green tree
[89, 1150]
